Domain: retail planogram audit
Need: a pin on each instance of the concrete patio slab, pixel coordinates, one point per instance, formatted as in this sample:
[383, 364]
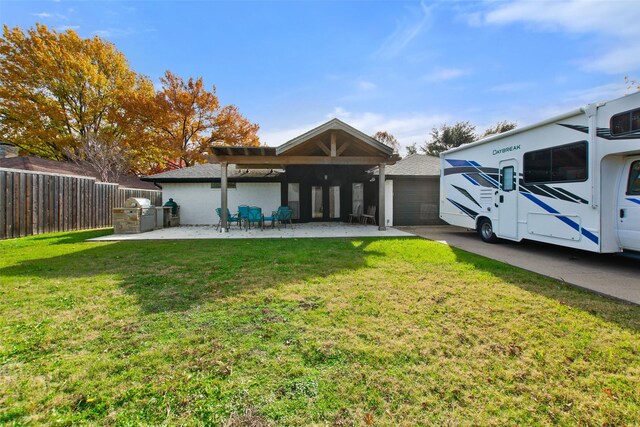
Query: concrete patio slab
[607, 274]
[309, 230]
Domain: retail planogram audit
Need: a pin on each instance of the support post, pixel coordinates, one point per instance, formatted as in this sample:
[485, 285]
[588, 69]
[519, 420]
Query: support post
[223, 196]
[333, 144]
[381, 202]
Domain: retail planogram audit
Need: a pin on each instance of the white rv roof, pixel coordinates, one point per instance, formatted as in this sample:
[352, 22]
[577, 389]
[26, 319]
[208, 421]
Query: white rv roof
[535, 125]
[515, 131]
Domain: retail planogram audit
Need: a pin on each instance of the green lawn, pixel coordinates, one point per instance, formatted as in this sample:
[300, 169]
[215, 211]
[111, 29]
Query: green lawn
[303, 332]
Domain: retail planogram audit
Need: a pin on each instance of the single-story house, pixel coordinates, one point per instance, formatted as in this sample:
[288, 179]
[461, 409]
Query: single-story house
[325, 174]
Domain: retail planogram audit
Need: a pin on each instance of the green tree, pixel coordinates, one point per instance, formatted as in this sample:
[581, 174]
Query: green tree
[500, 127]
[447, 137]
[412, 149]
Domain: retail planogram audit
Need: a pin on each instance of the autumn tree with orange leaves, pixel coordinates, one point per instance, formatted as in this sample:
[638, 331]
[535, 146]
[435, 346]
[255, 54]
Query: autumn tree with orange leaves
[185, 119]
[57, 89]
[58, 92]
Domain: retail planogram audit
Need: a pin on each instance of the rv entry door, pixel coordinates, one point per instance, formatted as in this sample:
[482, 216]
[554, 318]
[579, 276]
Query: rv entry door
[629, 206]
[508, 199]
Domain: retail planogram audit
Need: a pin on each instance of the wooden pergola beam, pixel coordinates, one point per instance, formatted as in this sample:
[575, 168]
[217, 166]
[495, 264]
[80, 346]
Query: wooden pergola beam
[343, 147]
[273, 161]
[333, 144]
[323, 147]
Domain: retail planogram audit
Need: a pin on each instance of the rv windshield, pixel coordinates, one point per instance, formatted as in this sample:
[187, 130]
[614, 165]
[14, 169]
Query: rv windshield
[633, 187]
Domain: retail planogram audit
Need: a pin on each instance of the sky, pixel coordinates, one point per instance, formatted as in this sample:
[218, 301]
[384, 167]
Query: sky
[403, 67]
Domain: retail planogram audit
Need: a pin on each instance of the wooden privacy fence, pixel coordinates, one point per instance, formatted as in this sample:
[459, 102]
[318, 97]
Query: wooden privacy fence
[38, 203]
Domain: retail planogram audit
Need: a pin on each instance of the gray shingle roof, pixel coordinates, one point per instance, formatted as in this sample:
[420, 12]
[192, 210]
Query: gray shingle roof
[414, 165]
[210, 172]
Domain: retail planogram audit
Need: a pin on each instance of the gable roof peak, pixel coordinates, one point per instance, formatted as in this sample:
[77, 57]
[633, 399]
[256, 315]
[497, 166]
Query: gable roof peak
[334, 124]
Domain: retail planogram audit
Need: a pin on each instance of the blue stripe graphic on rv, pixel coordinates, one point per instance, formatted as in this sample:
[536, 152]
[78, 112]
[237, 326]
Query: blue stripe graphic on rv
[454, 162]
[586, 233]
[484, 175]
[471, 180]
[633, 200]
[475, 165]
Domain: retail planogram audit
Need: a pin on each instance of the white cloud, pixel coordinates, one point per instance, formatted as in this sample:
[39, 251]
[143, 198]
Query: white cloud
[525, 113]
[407, 128]
[598, 93]
[576, 16]
[275, 137]
[406, 30]
[120, 32]
[48, 15]
[617, 21]
[340, 113]
[618, 60]
[64, 28]
[102, 33]
[442, 74]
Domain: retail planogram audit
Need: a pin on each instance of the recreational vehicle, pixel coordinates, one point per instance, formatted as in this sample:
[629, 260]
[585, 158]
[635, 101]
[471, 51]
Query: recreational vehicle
[572, 180]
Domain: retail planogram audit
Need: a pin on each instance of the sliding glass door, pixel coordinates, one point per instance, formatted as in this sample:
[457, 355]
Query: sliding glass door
[325, 202]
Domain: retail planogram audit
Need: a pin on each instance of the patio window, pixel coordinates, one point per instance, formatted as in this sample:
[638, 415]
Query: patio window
[334, 201]
[293, 191]
[316, 202]
[357, 196]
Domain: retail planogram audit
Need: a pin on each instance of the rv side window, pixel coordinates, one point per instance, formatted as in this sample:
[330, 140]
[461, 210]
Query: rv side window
[633, 187]
[556, 164]
[507, 176]
[628, 121]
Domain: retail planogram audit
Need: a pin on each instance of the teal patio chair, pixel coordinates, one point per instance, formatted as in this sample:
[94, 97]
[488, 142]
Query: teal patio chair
[278, 217]
[255, 215]
[230, 218]
[287, 213]
[243, 213]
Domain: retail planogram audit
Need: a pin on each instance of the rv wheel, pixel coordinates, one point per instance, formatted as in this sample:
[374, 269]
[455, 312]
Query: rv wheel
[485, 229]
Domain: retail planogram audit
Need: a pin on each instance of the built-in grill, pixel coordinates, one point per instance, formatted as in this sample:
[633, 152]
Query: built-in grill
[137, 216]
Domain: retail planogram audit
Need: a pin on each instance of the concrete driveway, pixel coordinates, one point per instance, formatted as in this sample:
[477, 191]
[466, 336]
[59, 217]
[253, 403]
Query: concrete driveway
[607, 274]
